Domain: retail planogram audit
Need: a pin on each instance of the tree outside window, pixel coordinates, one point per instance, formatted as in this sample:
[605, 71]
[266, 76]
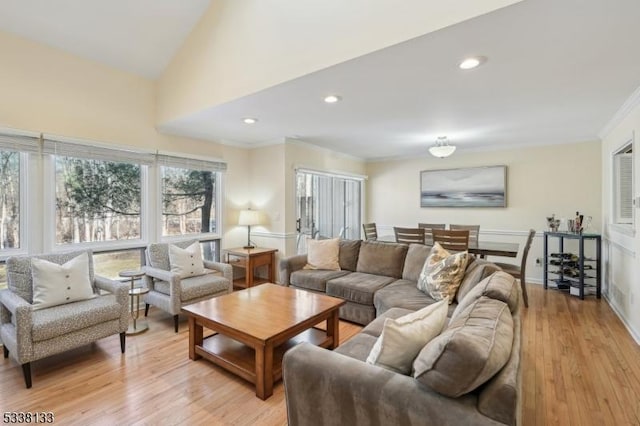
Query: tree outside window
[9, 200]
[97, 200]
[188, 201]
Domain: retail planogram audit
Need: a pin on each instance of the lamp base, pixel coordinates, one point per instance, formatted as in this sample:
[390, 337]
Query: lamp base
[249, 247]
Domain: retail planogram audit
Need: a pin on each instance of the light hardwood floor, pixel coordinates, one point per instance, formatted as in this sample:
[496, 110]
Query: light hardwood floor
[581, 367]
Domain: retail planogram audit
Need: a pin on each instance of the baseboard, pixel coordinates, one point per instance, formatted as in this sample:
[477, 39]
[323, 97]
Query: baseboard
[634, 334]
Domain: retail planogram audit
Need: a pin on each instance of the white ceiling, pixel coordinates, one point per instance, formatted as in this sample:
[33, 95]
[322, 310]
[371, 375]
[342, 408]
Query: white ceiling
[138, 36]
[557, 72]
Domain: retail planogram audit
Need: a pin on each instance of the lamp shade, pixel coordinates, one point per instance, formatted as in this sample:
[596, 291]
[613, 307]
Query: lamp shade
[442, 151]
[249, 217]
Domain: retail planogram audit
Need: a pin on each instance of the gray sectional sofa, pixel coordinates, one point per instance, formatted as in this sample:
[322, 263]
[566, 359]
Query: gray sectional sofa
[375, 277]
[468, 375]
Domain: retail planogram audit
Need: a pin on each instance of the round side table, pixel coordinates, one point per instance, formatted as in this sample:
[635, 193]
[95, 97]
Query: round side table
[134, 295]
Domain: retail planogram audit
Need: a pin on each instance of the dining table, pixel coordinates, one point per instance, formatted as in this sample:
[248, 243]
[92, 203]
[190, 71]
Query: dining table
[480, 248]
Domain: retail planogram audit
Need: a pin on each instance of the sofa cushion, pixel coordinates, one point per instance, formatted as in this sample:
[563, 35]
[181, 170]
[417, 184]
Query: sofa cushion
[472, 349]
[196, 287]
[499, 285]
[374, 328]
[158, 253]
[58, 320]
[476, 272]
[414, 261]
[314, 279]
[323, 254]
[442, 273]
[403, 294]
[358, 347]
[380, 258]
[348, 257]
[357, 287]
[402, 339]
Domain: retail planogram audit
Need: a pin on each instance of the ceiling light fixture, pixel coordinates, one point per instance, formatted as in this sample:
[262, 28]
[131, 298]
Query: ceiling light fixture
[249, 120]
[332, 99]
[442, 149]
[472, 62]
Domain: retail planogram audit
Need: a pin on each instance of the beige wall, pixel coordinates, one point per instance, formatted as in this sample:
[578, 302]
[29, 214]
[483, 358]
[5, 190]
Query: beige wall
[241, 47]
[558, 179]
[622, 288]
[46, 90]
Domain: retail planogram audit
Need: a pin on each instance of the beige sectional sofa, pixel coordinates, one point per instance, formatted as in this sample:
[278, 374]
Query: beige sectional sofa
[469, 374]
[374, 277]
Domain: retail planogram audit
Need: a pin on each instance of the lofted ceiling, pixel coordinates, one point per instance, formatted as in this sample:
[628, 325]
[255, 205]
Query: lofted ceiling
[557, 71]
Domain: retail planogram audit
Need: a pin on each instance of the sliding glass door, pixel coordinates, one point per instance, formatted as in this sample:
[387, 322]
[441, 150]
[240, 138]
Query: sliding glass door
[328, 206]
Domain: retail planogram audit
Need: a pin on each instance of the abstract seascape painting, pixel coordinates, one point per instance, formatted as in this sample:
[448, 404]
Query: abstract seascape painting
[468, 187]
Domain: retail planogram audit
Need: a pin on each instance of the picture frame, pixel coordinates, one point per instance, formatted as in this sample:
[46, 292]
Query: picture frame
[464, 187]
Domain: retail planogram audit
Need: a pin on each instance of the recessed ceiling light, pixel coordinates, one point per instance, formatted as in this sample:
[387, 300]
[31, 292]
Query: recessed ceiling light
[470, 63]
[332, 99]
[249, 120]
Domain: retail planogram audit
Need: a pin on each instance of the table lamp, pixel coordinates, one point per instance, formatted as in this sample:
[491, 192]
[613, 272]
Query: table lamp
[247, 218]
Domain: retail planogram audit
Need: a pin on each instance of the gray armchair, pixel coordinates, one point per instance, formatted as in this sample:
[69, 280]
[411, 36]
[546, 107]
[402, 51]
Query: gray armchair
[30, 334]
[169, 292]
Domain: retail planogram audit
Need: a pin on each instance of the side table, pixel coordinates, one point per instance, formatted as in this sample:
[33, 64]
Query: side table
[134, 295]
[249, 259]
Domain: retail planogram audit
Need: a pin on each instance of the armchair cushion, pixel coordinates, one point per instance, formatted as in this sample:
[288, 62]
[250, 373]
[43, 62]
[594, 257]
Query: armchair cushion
[55, 284]
[158, 253]
[195, 287]
[63, 319]
[186, 262]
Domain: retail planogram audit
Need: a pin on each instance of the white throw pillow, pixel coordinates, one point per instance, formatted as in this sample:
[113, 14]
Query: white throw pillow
[186, 262]
[403, 338]
[55, 284]
[323, 254]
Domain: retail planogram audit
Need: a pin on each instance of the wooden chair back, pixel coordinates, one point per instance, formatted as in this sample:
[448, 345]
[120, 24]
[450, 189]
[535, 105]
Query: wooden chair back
[428, 227]
[409, 235]
[474, 232]
[452, 240]
[370, 231]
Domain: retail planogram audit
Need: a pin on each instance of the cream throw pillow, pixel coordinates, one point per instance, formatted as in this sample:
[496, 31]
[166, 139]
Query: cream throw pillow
[323, 254]
[403, 338]
[55, 284]
[442, 273]
[186, 262]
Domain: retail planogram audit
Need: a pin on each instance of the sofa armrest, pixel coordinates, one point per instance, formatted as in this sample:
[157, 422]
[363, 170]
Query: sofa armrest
[13, 305]
[289, 265]
[117, 288]
[172, 278]
[327, 388]
[225, 268]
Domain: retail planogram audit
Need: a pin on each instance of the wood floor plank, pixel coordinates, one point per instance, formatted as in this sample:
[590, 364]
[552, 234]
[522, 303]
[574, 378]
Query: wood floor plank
[580, 367]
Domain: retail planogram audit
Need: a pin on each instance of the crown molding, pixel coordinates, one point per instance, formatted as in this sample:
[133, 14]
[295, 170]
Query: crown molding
[629, 105]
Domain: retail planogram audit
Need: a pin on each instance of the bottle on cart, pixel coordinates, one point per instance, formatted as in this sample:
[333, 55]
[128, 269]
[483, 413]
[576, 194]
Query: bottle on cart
[578, 223]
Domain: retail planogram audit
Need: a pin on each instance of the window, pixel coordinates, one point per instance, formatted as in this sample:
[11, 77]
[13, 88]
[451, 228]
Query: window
[328, 206]
[190, 196]
[9, 200]
[110, 264]
[623, 185]
[97, 200]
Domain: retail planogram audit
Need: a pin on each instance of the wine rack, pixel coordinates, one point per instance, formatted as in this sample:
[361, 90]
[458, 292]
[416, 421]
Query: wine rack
[573, 272]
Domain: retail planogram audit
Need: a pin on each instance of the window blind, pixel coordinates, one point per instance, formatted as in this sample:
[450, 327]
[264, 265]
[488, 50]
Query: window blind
[190, 163]
[91, 151]
[23, 142]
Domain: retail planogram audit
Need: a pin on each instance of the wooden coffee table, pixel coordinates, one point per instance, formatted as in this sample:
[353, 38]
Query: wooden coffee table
[255, 327]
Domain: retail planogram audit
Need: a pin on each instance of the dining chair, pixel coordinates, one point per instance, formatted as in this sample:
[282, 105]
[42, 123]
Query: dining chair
[474, 232]
[518, 272]
[453, 240]
[428, 227]
[409, 235]
[370, 231]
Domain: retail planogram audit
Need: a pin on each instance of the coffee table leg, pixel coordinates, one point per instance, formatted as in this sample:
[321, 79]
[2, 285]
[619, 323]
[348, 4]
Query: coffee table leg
[333, 329]
[264, 371]
[195, 338]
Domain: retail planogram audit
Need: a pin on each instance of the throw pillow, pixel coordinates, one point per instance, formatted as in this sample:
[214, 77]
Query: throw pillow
[402, 339]
[55, 284]
[323, 254]
[186, 262]
[499, 285]
[442, 273]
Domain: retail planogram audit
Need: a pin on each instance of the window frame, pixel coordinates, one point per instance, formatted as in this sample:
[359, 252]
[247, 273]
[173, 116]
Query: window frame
[625, 147]
[23, 217]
